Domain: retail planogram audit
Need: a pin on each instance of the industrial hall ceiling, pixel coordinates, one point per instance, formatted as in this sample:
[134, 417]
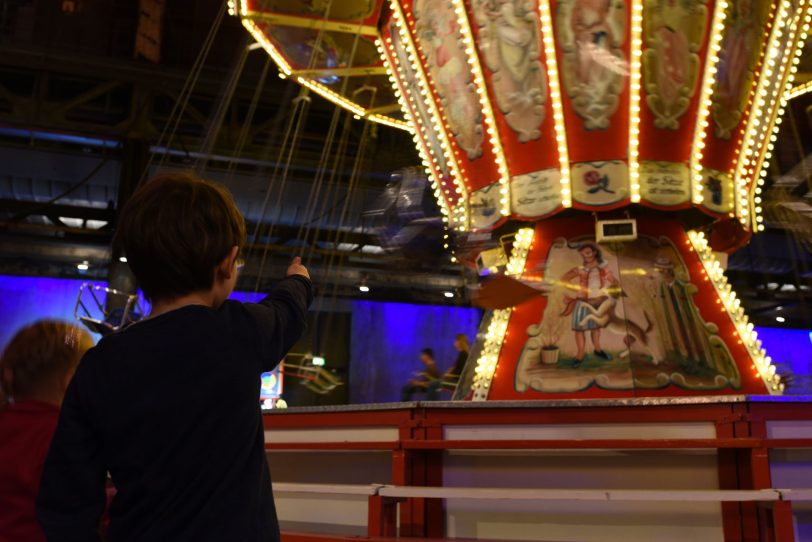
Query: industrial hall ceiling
[93, 100]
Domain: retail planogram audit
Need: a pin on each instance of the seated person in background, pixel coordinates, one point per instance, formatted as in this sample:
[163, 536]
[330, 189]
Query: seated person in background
[169, 406]
[427, 381]
[461, 344]
[35, 370]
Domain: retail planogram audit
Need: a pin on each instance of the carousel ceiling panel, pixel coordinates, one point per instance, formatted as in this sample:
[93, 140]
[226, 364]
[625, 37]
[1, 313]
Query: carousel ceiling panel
[532, 108]
[309, 49]
[354, 16]
[330, 48]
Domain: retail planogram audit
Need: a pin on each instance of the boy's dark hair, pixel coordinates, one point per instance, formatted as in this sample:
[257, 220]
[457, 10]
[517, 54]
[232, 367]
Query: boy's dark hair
[174, 231]
[428, 351]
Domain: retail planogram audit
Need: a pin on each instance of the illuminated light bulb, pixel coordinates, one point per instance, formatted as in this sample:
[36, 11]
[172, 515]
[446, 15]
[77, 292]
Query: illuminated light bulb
[426, 154]
[555, 96]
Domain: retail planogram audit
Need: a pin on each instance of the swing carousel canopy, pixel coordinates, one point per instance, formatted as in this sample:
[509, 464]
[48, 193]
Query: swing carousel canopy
[523, 109]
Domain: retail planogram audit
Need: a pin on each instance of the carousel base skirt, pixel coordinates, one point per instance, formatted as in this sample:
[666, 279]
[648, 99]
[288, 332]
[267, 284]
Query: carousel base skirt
[692, 468]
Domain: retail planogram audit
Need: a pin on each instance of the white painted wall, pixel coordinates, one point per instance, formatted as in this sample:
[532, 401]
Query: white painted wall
[584, 521]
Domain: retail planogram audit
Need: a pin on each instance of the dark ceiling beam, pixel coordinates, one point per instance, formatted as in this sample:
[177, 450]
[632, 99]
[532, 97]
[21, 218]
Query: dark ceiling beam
[140, 118]
[147, 75]
[56, 258]
[278, 231]
[66, 234]
[24, 209]
[97, 91]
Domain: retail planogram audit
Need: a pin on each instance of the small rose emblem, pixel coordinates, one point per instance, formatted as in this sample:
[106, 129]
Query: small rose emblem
[592, 178]
[597, 182]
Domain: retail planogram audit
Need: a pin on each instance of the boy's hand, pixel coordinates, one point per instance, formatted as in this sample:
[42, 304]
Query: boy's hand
[296, 268]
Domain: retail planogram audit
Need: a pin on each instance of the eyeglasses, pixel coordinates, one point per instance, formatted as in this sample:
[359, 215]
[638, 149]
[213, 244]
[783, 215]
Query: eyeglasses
[240, 264]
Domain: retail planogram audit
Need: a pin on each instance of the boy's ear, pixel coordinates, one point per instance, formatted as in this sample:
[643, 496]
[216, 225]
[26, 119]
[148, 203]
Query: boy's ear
[228, 265]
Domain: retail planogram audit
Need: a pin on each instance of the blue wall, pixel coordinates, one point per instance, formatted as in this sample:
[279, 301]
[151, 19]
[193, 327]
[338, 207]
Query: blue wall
[24, 300]
[387, 339]
[791, 350]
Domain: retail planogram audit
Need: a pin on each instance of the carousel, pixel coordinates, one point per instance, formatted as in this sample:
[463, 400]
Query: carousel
[614, 153]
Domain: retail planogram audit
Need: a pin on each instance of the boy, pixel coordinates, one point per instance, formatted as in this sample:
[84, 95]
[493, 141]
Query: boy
[170, 405]
[35, 370]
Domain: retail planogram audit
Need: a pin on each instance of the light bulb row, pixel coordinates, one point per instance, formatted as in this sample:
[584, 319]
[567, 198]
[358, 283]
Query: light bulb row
[426, 97]
[744, 328]
[257, 33]
[548, 38]
[635, 69]
[497, 329]
[705, 102]
[389, 121]
[521, 247]
[800, 90]
[780, 93]
[332, 96]
[488, 116]
[403, 94]
[762, 101]
[486, 364]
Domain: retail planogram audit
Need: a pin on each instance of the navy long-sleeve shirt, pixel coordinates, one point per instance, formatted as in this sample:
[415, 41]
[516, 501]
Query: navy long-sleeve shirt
[170, 408]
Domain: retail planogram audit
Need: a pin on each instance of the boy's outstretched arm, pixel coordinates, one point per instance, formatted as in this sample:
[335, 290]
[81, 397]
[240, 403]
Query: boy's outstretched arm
[72, 491]
[282, 315]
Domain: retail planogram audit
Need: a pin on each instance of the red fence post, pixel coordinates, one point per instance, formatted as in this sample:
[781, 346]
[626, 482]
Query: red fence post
[383, 513]
[783, 530]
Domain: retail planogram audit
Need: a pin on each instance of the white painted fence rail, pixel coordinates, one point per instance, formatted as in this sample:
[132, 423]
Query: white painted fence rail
[548, 494]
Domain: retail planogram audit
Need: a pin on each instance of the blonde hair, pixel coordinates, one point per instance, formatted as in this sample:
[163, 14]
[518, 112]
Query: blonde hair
[40, 353]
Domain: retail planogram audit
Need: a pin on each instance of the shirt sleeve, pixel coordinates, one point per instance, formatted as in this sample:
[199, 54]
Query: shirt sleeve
[72, 491]
[281, 318]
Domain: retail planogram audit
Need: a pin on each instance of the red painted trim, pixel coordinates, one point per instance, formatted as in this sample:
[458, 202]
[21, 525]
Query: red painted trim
[727, 472]
[273, 446]
[288, 536]
[678, 207]
[754, 444]
[390, 418]
[781, 411]
[435, 509]
[577, 414]
[783, 530]
[383, 515]
[759, 475]
[581, 206]
[548, 444]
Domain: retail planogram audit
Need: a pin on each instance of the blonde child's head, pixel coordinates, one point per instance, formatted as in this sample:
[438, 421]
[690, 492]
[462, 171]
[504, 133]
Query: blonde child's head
[40, 360]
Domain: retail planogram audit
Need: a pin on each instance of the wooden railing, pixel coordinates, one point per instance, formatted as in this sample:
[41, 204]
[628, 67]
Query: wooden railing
[384, 499]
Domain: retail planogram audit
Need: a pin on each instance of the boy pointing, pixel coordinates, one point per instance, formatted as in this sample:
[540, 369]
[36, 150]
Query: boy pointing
[170, 406]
